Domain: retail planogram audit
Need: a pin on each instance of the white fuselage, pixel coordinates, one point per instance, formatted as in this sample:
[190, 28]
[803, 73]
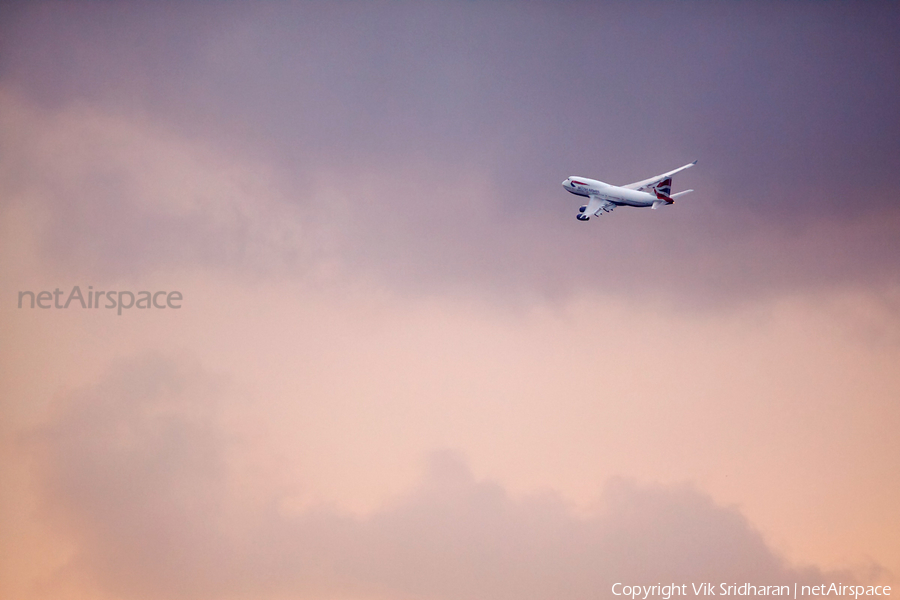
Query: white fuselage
[582, 186]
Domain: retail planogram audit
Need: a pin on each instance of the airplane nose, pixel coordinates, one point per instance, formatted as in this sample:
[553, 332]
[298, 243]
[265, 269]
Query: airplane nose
[565, 183]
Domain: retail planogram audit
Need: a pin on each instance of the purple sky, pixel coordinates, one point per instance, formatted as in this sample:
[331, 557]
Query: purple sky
[788, 106]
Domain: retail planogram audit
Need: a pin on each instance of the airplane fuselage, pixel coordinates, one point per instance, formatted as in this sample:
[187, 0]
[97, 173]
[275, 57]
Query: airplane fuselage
[603, 198]
[582, 186]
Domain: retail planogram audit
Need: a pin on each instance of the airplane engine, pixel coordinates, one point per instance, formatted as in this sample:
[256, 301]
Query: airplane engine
[582, 217]
[583, 208]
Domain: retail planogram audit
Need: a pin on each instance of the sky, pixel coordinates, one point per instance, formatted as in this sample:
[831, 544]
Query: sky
[400, 368]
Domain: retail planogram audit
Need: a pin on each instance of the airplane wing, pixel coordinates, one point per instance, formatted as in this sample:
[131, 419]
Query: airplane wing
[593, 206]
[647, 184]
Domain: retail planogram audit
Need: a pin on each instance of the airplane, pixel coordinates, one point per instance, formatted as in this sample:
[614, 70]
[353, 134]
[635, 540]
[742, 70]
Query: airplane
[603, 197]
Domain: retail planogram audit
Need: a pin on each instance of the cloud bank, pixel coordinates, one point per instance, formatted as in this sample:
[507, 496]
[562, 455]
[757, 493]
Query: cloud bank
[137, 470]
[361, 204]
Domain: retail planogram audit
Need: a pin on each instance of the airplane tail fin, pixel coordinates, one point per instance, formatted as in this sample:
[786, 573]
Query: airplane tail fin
[664, 186]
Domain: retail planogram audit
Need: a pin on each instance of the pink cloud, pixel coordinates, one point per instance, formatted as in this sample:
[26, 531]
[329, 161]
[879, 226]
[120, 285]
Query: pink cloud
[135, 471]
